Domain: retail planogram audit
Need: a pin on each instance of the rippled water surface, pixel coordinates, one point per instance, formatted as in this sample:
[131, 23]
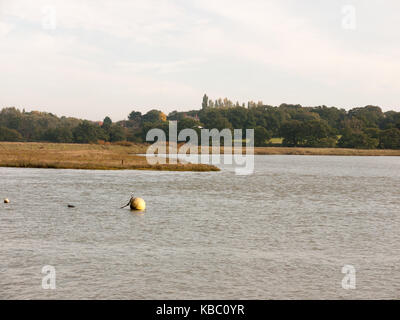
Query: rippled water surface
[284, 232]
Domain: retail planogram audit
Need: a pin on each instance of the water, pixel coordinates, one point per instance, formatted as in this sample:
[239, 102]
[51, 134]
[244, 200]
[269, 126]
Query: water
[284, 232]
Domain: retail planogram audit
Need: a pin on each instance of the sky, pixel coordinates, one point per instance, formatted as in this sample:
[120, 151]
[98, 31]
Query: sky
[96, 58]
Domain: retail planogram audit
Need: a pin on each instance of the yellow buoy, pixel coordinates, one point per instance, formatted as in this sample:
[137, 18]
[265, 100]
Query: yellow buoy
[6, 201]
[138, 204]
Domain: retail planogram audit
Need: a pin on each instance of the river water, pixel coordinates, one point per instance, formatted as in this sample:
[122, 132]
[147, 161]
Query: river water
[284, 232]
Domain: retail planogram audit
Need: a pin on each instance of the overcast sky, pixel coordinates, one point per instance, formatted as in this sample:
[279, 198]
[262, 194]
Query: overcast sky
[90, 59]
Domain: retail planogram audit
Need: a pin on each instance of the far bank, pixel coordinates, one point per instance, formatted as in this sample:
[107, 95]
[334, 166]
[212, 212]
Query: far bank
[120, 156]
[324, 151]
[126, 156]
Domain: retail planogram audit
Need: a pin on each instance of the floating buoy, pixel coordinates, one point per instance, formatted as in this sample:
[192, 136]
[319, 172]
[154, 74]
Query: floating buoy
[136, 204]
[6, 200]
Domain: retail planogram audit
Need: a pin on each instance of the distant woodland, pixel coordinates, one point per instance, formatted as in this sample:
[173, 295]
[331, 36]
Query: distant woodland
[285, 125]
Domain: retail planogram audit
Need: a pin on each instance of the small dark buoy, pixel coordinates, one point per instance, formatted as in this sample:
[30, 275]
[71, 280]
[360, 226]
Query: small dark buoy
[71, 206]
[6, 200]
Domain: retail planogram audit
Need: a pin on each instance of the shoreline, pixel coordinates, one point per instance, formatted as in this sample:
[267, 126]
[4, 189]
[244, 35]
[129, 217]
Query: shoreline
[129, 156]
[325, 151]
[86, 157]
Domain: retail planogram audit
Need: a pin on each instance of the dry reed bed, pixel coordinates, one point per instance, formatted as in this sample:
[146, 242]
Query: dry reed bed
[85, 156]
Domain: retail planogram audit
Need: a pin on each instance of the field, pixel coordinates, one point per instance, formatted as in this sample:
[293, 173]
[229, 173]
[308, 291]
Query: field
[85, 156]
[275, 140]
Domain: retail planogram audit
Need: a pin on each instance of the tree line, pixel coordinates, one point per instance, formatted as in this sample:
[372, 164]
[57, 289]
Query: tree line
[285, 125]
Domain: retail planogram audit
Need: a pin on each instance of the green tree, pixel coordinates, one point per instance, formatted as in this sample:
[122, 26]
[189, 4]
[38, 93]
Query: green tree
[154, 116]
[357, 139]
[372, 132]
[204, 104]
[7, 134]
[188, 123]
[163, 125]
[174, 115]
[261, 135]
[107, 122]
[59, 134]
[332, 115]
[106, 127]
[293, 133]
[390, 139]
[117, 133]
[238, 117]
[135, 116]
[317, 133]
[87, 132]
[370, 116]
[214, 118]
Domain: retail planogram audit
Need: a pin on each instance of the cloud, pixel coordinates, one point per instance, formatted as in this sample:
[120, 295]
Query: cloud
[161, 67]
[5, 28]
[168, 53]
[279, 39]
